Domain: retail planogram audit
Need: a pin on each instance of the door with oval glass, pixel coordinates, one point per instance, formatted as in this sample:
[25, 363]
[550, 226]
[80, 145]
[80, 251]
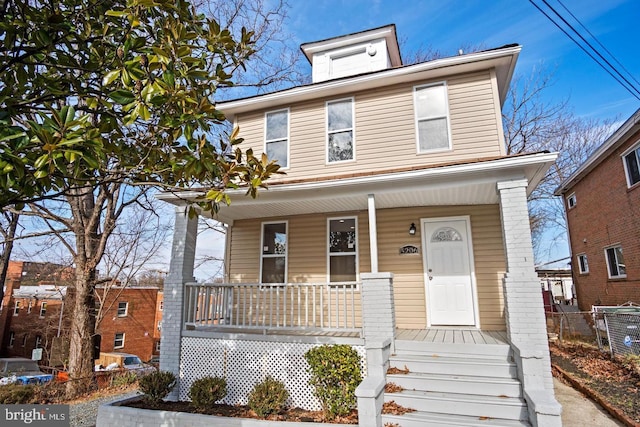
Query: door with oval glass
[448, 272]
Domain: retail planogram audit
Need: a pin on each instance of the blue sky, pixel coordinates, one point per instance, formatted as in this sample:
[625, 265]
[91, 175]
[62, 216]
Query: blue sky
[449, 25]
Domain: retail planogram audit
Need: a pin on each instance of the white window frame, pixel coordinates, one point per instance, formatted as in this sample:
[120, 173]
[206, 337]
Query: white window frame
[288, 137]
[29, 306]
[126, 309]
[286, 249]
[161, 305]
[12, 338]
[115, 340]
[579, 259]
[328, 247]
[38, 343]
[635, 150]
[24, 340]
[352, 129]
[418, 119]
[572, 201]
[606, 259]
[16, 308]
[43, 308]
[158, 344]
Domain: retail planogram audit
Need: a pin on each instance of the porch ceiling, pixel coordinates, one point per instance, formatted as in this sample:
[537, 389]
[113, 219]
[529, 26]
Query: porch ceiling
[467, 184]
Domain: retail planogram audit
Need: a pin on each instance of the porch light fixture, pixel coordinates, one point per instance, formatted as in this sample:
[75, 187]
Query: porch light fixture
[412, 229]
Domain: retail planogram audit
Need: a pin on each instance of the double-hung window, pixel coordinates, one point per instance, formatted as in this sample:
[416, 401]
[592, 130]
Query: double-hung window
[274, 253]
[615, 262]
[276, 139]
[38, 341]
[12, 338]
[342, 249]
[632, 166]
[43, 308]
[340, 131]
[432, 118]
[16, 308]
[123, 308]
[583, 264]
[118, 340]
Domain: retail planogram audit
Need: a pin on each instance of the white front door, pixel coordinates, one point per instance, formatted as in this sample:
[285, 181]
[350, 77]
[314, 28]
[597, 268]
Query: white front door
[448, 272]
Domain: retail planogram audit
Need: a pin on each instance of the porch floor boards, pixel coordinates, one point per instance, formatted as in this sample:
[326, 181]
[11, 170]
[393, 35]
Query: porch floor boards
[452, 336]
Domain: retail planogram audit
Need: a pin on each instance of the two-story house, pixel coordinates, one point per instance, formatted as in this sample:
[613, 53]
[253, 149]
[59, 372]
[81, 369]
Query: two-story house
[602, 203]
[400, 228]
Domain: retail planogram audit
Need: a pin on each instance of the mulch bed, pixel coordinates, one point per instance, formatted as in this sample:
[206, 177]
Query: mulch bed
[608, 381]
[240, 411]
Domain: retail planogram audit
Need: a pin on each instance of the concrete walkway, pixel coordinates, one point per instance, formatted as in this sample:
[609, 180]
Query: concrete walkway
[580, 411]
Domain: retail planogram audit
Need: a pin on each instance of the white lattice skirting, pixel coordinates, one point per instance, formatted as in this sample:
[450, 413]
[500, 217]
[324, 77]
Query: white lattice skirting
[245, 363]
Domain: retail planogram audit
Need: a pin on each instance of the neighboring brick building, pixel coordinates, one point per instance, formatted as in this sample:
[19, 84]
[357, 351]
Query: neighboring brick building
[602, 202]
[31, 314]
[131, 320]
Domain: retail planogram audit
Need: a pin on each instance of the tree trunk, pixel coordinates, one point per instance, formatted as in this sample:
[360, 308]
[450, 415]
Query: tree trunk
[82, 331]
[8, 248]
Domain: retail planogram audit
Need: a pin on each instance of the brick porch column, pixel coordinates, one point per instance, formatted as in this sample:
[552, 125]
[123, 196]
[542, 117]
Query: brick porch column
[180, 272]
[526, 323]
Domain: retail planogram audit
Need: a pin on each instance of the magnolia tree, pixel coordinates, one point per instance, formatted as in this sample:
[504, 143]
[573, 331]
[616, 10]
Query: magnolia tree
[100, 101]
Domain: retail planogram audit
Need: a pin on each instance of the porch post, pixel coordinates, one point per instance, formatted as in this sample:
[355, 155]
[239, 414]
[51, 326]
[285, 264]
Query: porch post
[373, 233]
[526, 324]
[180, 272]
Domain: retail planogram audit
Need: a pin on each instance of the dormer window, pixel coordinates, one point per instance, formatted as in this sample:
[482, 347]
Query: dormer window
[340, 135]
[432, 118]
[276, 138]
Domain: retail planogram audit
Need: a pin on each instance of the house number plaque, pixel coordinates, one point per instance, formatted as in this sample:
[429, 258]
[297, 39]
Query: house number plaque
[409, 250]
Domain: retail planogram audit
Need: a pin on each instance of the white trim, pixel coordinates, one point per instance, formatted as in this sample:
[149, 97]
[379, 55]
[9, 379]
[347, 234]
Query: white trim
[373, 232]
[356, 253]
[472, 270]
[417, 119]
[12, 339]
[286, 249]
[126, 309]
[288, 137]
[353, 130]
[635, 149]
[606, 260]
[43, 306]
[115, 338]
[571, 197]
[586, 259]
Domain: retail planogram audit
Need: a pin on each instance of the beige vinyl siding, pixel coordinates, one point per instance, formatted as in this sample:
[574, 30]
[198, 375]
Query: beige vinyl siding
[307, 262]
[409, 290]
[385, 135]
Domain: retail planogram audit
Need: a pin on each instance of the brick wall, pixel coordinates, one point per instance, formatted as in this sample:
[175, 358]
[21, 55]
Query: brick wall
[606, 213]
[139, 324]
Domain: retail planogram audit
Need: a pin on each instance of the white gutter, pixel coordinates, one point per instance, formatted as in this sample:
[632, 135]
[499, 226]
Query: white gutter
[383, 78]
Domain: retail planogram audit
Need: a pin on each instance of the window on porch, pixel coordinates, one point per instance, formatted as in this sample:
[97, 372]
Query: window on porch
[273, 266]
[342, 249]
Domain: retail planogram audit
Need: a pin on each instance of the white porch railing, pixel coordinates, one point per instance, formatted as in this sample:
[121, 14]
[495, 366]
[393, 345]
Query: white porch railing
[274, 306]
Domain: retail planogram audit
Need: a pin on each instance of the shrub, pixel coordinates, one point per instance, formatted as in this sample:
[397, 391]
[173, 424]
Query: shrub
[268, 397]
[16, 394]
[157, 385]
[206, 391]
[335, 374]
[125, 378]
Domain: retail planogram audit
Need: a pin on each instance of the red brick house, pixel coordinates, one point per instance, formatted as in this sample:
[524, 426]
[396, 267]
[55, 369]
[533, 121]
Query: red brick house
[131, 320]
[32, 309]
[602, 203]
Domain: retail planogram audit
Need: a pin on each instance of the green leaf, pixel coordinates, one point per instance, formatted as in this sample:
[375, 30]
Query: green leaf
[122, 96]
[110, 77]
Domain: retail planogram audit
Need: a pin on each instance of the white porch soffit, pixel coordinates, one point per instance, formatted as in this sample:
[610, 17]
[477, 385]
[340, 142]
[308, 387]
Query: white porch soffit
[460, 184]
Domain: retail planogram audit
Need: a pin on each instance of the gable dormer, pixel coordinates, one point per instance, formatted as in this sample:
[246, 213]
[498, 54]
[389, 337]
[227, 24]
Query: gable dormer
[363, 52]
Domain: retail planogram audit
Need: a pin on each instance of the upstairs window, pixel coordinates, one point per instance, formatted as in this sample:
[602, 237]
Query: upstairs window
[432, 118]
[274, 253]
[571, 200]
[123, 307]
[29, 306]
[343, 249]
[16, 308]
[583, 265]
[43, 308]
[277, 137]
[615, 262]
[340, 135]
[632, 166]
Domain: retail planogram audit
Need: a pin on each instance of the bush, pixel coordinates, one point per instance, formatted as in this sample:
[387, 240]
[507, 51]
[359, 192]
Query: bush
[268, 397]
[125, 378]
[335, 374]
[206, 391]
[16, 394]
[157, 385]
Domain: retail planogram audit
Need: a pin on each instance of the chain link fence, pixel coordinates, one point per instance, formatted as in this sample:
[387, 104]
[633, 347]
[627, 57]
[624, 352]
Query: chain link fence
[571, 325]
